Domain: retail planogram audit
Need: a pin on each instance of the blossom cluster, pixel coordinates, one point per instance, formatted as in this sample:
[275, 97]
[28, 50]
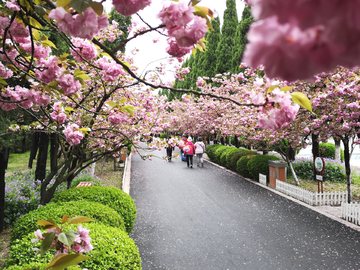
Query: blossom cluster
[298, 39]
[82, 242]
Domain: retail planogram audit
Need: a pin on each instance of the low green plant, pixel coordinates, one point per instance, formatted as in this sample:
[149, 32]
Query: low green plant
[260, 164]
[115, 198]
[224, 155]
[219, 151]
[113, 248]
[327, 150]
[235, 157]
[210, 150]
[230, 153]
[242, 166]
[36, 266]
[334, 171]
[96, 211]
[163, 136]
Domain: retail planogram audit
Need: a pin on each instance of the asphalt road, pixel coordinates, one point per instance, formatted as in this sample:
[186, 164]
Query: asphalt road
[208, 218]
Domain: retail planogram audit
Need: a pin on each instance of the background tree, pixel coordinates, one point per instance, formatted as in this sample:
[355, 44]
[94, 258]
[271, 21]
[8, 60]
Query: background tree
[226, 44]
[240, 39]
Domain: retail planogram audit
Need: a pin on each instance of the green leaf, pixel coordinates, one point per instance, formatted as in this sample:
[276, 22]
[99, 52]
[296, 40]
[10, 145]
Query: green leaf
[79, 219]
[62, 261]
[128, 108]
[36, 34]
[67, 238]
[63, 3]
[84, 131]
[98, 8]
[65, 217]
[48, 43]
[69, 109]
[286, 88]
[47, 222]
[3, 82]
[46, 243]
[53, 84]
[35, 23]
[80, 5]
[302, 100]
[111, 104]
[271, 88]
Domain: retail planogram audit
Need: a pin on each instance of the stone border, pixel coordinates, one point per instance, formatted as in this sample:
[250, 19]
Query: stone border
[127, 175]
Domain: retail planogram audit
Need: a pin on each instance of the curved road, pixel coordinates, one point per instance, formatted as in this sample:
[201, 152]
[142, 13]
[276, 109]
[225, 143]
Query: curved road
[208, 218]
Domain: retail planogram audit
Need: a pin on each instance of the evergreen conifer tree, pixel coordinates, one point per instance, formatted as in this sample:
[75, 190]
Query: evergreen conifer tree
[240, 39]
[224, 49]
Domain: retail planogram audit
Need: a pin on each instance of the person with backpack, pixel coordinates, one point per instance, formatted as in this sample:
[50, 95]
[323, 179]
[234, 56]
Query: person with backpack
[199, 151]
[189, 149]
[169, 148]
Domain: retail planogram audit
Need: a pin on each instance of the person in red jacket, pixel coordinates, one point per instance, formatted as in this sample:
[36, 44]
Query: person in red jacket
[189, 149]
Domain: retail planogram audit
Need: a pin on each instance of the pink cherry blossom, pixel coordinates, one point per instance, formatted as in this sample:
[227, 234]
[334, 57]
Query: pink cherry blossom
[86, 49]
[69, 84]
[73, 134]
[176, 13]
[176, 51]
[130, 7]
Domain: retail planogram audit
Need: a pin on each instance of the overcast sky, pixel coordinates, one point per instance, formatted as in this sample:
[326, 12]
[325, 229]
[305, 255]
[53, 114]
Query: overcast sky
[152, 52]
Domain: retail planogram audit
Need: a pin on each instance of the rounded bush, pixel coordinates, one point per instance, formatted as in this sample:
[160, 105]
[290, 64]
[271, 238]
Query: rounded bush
[242, 166]
[96, 211]
[260, 164]
[230, 153]
[113, 247]
[327, 150]
[219, 152]
[224, 155]
[210, 151]
[110, 196]
[234, 159]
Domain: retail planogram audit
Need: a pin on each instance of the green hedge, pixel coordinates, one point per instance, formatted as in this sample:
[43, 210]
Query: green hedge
[260, 164]
[219, 151]
[114, 248]
[96, 211]
[327, 150]
[242, 166]
[234, 159]
[230, 153]
[110, 196]
[86, 178]
[210, 151]
[224, 155]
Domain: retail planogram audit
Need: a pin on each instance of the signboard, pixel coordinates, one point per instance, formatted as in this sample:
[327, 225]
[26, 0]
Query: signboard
[319, 177]
[319, 164]
[85, 184]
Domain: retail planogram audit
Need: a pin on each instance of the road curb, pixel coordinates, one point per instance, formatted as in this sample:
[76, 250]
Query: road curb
[127, 175]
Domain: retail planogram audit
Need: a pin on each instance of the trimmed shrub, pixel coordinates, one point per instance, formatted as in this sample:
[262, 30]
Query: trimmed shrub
[96, 211]
[304, 169]
[110, 196]
[234, 159]
[230, 153]
[224, 155]
[242, 166]
[219, 152]
[163, 136]
[327, 150]
[210, 151]
[260, 164]
[114, 249]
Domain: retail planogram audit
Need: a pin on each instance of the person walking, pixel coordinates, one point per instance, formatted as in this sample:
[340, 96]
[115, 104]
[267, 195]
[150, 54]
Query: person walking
[199, 151]
[190, 151]
[169, 148]
[181, 145]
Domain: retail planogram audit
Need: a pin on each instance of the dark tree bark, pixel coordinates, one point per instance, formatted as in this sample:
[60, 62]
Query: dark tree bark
[34, 147]
[347, 166]
[40, 172]
[337, 149]
[222, 141]
[3, 164]
[291, 153]
[7, 155]
[54, 146]
[236, 141]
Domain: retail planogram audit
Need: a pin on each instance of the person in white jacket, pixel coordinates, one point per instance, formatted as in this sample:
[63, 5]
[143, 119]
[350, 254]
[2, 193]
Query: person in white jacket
[199, 151]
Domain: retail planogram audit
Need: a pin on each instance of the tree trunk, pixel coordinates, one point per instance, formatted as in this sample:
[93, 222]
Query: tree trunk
[2, 190]
[54, 146]
[337, 149]
[347, 167]
[293, 173]
[40, 172]
[236, 141]
[315, 149]
[34, 147]
[6, 156]
[265, 152]
[222, 141]
[291, 153]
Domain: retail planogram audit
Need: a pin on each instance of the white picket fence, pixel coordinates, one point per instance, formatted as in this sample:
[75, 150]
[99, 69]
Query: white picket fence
[351, 212]
[262, 179]
[312, 198]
